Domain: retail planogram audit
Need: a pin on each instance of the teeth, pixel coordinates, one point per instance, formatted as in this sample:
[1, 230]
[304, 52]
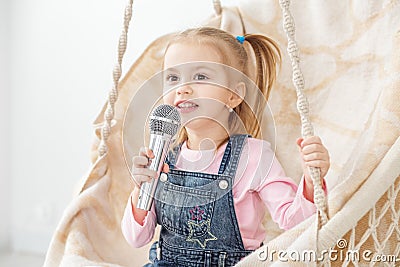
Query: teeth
[186, 105]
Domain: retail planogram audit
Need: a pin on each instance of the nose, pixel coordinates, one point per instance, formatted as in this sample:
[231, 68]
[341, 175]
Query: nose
[184, 90]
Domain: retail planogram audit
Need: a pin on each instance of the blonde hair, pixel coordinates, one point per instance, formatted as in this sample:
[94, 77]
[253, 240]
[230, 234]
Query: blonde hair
[267, 58]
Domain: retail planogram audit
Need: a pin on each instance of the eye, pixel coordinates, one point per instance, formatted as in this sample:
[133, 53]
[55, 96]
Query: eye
[200, 77]
[171, 78]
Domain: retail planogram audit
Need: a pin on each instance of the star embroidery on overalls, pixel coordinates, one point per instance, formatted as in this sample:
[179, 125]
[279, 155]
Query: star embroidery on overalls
[197, 213]
[200, 233]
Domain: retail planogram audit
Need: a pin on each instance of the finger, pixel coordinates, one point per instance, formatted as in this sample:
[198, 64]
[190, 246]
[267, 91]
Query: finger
[317, 164]
[316, 156]
[140, 161]
[150, 153]
[299, 141]
[313, 148]
[146, 152]
[136, 182]
[139, 179]
[311, 140]
[165, 168]
[145, 172]
[142, 151]
[313, 156]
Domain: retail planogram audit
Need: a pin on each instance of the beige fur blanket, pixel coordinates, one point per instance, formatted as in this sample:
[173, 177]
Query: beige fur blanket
[350, 57]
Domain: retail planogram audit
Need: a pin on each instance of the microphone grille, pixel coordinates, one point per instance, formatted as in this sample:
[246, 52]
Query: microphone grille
[165, 119]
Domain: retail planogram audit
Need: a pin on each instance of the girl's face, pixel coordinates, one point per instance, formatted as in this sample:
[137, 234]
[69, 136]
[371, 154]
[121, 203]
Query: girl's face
[196, 82]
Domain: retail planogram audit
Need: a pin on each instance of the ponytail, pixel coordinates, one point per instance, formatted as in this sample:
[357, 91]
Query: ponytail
[266, 54]
[268, 57]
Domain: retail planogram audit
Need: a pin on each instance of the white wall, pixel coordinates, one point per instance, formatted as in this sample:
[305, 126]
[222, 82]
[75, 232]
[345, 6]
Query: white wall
[4, 128]
[63, 53]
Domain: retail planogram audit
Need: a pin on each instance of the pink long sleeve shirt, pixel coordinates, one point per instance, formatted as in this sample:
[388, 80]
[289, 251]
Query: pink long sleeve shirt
[260, 185]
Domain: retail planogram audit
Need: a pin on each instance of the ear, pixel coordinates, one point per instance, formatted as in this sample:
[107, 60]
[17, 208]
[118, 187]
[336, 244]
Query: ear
[237, 95]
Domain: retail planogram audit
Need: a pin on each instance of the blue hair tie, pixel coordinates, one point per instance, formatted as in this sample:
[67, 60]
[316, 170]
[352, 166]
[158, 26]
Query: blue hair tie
[240, 38]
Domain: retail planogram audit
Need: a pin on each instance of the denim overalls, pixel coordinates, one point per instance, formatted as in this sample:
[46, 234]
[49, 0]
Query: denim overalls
[197, 216]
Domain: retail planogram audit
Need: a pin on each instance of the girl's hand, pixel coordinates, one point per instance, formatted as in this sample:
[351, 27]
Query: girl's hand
[313, 154]
[140, 171]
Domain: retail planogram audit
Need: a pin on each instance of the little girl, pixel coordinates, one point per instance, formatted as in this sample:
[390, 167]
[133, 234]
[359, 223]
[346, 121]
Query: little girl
[217, 185]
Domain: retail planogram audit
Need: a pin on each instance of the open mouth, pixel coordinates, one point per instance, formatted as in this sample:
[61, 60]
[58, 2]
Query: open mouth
[186, 106]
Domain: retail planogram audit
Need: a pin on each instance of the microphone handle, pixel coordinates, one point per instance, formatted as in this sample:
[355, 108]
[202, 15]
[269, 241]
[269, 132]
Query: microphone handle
[159, 143]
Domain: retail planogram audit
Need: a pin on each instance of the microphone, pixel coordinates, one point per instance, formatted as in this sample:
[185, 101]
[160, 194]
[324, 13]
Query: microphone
[164, 123]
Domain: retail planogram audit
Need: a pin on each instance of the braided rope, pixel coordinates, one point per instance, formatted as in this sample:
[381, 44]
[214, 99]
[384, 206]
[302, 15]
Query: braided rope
[217, 7]
[303, 107]
[113, 94]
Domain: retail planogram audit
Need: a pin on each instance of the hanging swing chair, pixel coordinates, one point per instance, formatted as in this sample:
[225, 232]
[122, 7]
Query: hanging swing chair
[350, 58]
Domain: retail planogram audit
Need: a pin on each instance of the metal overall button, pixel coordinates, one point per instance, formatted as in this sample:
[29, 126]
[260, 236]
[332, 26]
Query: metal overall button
[223, 184]
[163, 177]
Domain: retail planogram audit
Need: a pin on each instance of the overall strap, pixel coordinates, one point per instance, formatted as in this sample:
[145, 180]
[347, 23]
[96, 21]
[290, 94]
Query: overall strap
[232, 154]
